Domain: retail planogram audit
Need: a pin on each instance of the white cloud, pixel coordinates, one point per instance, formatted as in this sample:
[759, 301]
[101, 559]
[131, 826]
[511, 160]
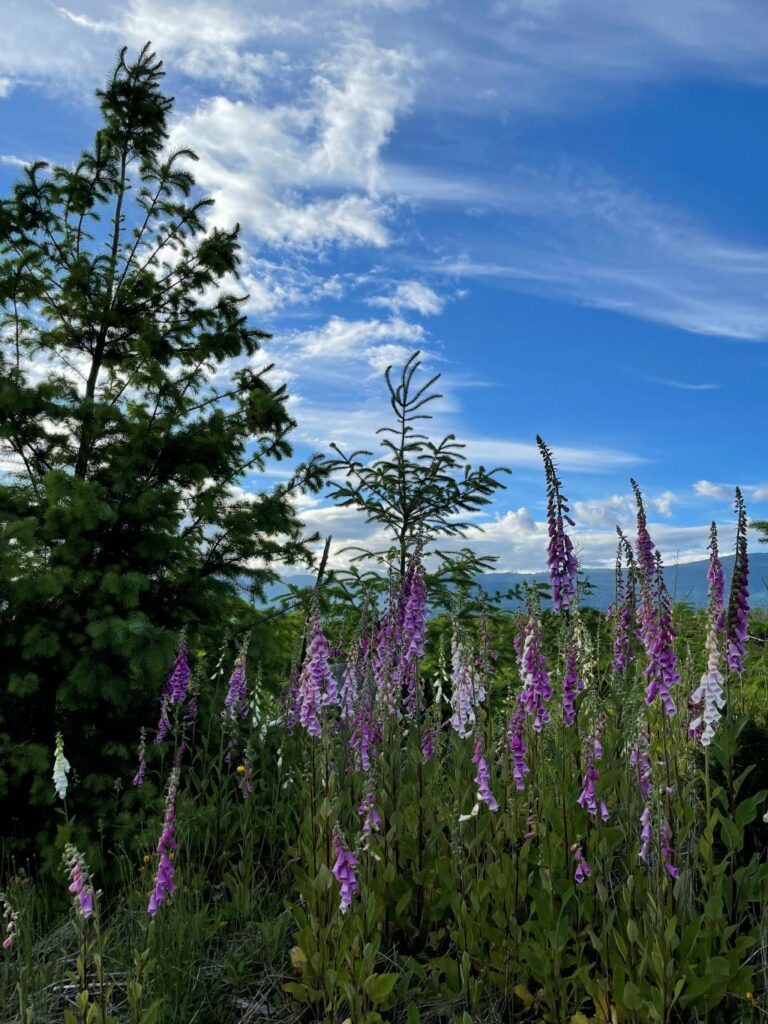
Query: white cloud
[410, 295]
[488, 450]
[305, 173]
[725, 492]
[519, 541]
[378, 343]
[663, 502]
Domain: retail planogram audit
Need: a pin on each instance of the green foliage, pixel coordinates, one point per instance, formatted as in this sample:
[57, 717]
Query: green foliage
[418, 490]
[124, 519]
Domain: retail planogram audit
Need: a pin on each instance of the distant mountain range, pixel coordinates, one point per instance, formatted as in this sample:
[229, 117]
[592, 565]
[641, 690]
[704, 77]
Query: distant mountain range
[686, 582]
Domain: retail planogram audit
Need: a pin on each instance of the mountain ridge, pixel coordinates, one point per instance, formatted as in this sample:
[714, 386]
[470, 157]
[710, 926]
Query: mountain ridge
[686, 582]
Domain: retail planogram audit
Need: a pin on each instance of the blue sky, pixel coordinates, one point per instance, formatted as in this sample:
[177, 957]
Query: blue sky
[560, 202]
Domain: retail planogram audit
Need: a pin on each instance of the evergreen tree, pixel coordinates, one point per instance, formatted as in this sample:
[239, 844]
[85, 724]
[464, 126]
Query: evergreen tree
[416, 490]
[122, 515]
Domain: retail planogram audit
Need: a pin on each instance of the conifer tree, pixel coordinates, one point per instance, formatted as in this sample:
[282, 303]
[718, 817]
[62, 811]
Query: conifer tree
[122, 512]
[417, 490]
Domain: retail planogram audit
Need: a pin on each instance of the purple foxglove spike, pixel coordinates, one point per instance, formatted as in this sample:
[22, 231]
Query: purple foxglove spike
[367, 810]
[178, 680]
[164, 878]
[537, 689]
[317, 683]
[593, 752]
[483, 777]
[738, 603]
[707, 699]
[80, 884]
[624, 608]
[415, 616]
[428, 743]
[517, 747]
[572, 684]
[655, 629]
[344, 871]
[468, 692]
[582, 870]
[366, 735]
[563, 568]
[236, 700]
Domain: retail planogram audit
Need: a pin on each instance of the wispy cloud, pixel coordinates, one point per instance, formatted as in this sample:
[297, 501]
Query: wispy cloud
[579, 235]
[683, 386]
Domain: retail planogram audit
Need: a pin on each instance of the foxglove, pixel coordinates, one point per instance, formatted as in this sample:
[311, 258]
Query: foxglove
[517, 747]
[344, 871]
[138, 779]
[593, 752]
[738, 603]
[583, 870]
[165, 884]
[624, 607]
[572, 684]
[537, 689]
[468, 692]
[483, 777]
[79, 881]
[707, 698]
[61, 768]
[561, 560]
[10, 921]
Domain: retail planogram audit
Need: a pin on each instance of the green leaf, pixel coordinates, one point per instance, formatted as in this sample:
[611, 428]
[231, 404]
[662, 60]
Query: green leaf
[379, 987]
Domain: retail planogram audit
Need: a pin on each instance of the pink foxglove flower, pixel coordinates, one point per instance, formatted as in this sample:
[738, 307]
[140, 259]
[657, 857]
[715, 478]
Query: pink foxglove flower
[572, 684]
[178, 681]
[655, 629]
[317, 683]
[468, 692]
[415, 614]
[517, 747]
[593, 752]
[366, 735]
[661, 671]
[10, 920]
[175, 690]
[367, 810]
[165, 884]
[707, 698]
[537, 689]
[236, 700]
[80, 884]
[483, 777]
[738, 602]
[344, 871]
[583, 870]
[563, 568]
[428, 742]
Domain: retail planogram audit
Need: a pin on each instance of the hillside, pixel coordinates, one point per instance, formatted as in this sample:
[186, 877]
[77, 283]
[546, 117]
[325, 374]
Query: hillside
[687, 582]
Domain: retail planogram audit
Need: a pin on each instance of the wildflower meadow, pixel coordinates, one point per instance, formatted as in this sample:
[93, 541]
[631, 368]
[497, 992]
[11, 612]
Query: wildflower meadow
[569, 835]
[385, 796]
